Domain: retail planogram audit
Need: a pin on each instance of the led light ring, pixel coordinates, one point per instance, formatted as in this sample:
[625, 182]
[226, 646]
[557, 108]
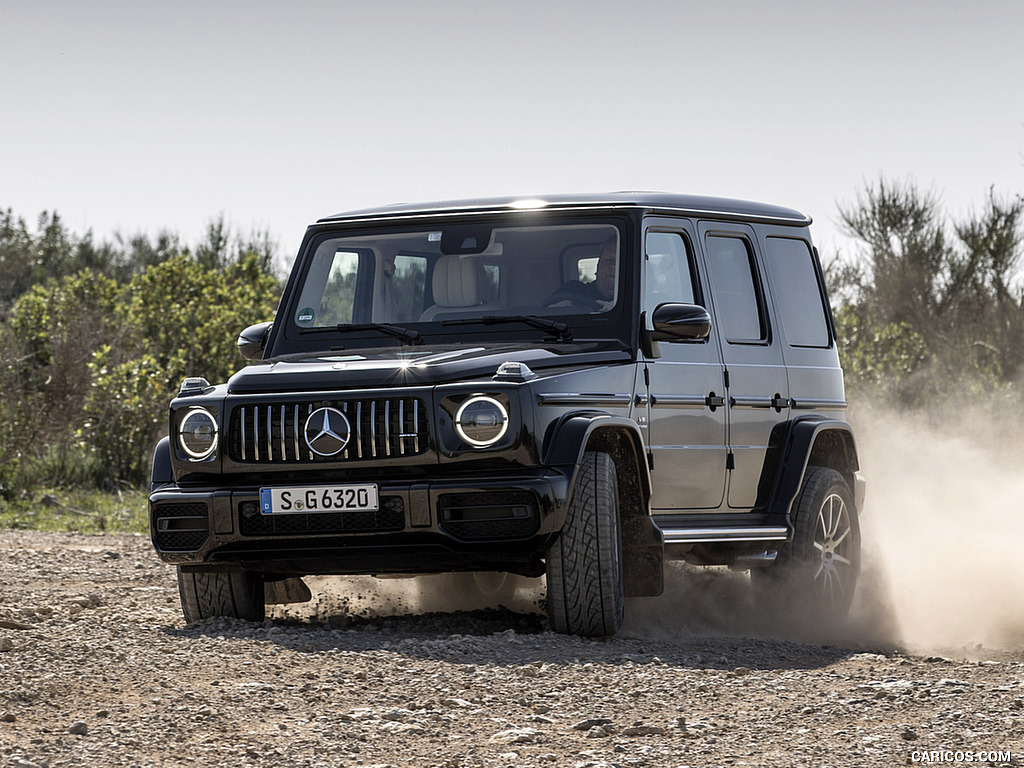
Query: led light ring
[473, 441]
[181, 434]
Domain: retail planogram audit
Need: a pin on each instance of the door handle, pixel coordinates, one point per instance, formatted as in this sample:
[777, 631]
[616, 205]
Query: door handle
[779, 402]
[714, 401]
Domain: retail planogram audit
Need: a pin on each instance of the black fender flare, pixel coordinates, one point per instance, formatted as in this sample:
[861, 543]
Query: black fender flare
[570, 436]
[163, 471]
[812, 440]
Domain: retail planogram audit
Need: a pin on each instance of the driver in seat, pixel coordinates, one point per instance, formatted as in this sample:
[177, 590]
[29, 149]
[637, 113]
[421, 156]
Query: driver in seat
[596, 296]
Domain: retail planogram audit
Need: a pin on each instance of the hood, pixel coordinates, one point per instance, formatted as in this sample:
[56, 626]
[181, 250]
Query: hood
[413, 366]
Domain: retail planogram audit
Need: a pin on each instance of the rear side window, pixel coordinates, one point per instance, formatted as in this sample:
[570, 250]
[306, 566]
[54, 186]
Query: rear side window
[737, 298]
[797, 291]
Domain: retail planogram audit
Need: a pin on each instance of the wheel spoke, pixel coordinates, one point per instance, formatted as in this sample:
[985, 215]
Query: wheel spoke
[835, 518]
[828, 589]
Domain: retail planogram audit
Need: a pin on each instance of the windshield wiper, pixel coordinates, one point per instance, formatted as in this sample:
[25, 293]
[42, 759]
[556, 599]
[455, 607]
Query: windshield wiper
[563, 334]
[402, 334]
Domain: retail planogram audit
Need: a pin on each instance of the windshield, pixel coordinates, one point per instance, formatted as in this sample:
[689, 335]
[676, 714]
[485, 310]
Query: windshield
[425, 278]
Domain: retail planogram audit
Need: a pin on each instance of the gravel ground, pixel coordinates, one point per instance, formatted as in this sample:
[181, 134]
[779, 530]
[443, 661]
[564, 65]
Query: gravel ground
[97, 668]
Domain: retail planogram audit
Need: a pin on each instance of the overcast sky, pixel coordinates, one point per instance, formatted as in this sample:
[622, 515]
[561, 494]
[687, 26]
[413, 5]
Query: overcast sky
[135, 116]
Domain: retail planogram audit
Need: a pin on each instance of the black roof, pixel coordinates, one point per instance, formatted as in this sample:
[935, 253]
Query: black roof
[655, 201]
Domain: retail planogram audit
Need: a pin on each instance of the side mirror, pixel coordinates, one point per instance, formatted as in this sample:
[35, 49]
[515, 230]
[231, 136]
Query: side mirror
[253, 340]
[680, 322]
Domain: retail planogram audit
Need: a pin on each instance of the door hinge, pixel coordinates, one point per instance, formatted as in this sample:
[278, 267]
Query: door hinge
[730, 460]
[650, 461]
[647, 376]
[726, 378]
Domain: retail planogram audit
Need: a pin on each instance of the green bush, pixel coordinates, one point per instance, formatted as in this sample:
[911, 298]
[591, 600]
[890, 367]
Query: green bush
[90, 364]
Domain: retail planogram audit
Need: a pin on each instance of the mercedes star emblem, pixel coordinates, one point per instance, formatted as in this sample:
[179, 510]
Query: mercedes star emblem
[327, 431]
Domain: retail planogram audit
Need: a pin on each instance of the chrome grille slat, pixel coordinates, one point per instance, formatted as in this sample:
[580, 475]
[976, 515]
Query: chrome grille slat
[359, 428]
[379, 428]
[416, 420]
[269, 439]
[373, 428]
[401, 427]
[284, 421]
[344, 409]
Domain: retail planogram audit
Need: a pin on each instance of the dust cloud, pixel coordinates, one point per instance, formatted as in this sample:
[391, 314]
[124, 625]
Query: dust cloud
[944, 527]
[369, 597]
[942, 531]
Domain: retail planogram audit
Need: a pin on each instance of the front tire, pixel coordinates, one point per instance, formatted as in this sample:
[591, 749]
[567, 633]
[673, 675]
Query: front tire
[816, 574]
[584, 564]
[230, 594]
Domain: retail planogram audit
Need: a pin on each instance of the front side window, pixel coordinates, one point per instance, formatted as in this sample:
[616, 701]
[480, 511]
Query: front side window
[670, 273]
[331, 299]
[428, 276]
[734, 282]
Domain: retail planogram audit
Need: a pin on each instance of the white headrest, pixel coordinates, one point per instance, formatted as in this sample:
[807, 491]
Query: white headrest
[456, 282]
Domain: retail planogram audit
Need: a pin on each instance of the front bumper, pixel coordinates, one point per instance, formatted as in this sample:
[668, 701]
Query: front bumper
[452, 524]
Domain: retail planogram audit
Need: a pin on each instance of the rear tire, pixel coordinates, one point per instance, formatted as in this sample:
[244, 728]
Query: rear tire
[815, 575]
[584, 564]
[229, 594]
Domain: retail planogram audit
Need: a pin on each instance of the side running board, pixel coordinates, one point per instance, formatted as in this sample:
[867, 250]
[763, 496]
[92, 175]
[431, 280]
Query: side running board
[705, 535]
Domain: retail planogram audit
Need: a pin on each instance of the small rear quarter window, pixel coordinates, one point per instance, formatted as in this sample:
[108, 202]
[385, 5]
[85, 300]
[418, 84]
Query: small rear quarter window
[797, 292]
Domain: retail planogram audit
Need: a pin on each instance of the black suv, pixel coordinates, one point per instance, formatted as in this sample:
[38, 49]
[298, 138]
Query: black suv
[577, 386]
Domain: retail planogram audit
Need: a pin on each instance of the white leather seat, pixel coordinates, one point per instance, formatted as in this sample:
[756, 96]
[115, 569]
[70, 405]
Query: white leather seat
[456, 285]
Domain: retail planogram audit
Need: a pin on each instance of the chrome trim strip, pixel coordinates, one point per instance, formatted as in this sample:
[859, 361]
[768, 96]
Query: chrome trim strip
[387, 427]
[704, 535]
[679, 401]
[241, 411]
[505, 208]
[611, 400]
[751, 402]
[814, 403]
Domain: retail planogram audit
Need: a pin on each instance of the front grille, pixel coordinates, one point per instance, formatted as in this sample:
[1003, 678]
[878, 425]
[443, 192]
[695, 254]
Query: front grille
[489, 515]
[390, 517]
[273, 433]
[181, 527]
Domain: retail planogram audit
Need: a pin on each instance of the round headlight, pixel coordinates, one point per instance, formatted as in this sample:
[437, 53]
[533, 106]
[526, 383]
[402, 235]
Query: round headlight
[198, 433]
[481, 421]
